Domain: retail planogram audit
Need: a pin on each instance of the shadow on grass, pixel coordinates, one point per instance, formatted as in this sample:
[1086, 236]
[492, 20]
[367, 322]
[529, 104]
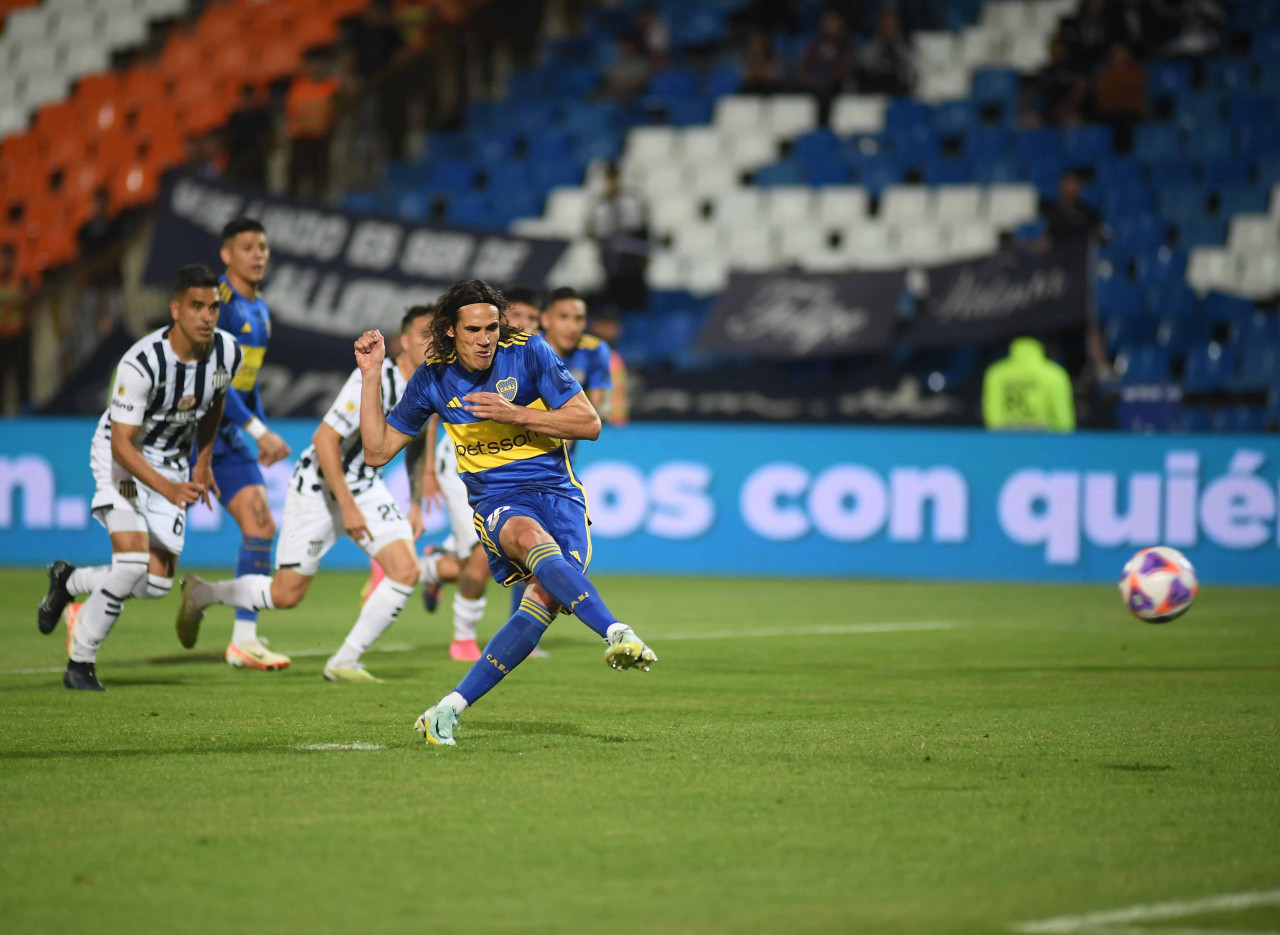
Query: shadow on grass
[1138, 767]
[551, 728]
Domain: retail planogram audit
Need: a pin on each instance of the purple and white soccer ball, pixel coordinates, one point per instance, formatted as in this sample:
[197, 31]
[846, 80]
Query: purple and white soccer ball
[1158, 585]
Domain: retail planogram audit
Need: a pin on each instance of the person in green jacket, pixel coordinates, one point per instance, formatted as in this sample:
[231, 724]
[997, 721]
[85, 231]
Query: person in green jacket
[1027, 391]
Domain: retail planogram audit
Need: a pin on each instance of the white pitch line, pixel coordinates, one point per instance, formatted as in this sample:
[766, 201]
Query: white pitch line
[295, 653]
[1109, 921]
[828, 630]
[358, 745]
[831, 629]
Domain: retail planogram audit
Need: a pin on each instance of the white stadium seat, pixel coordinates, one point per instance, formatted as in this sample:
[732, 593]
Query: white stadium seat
[1011, 205]
[29, 26]
[1252, 233]
[958, 203]
[37, 57]
[537, 228]
[839, 205]
[76, 26]
[901, 205]
[1211, 268]
[124, 29]
[790, 115]
[43, 87]
[13, 118]
[698, 145]
[669, 214]
[85, 58]
[666, 271]
[157, 9]
[1029, 53]
[698, 240]
[826, 261]
[740, 207]
[710, 179]
[707, 276]
[579, 266]
[663, 180]
[650, 144]
[972, 240]
[738, 113]
[978, 47]
[858, 113]
[1260, 274]
[788, 204]
[796, 241]
[943, 84]
[568, 210]
[749, 150]
[1009, 16]
[934, 49]
[922, 243]
[750, 247]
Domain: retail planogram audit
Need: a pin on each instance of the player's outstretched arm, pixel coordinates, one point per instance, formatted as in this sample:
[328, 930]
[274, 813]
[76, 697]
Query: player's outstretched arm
[576, 419]
[381, 441]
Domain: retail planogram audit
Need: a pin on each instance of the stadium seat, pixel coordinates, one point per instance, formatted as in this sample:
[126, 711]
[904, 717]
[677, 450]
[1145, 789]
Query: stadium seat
[751, 248]
[1209, 368]
[852, 114]
[740, 207]
[1154, 142]
[786, 172]
[789, 205]
[1011, 205]
[749, 150]
[737, 113]
[1146, 363]
[973, 239]
[904, 205]
[840, 205]
[959, 204]
[790, 115]
[1211, 268]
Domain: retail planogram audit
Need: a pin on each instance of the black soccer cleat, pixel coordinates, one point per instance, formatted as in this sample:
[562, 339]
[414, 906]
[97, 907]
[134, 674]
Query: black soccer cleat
[80, 676]
[57, 597]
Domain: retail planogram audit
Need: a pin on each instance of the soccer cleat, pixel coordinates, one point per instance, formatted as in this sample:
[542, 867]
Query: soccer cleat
[255, 656]
[353, 672]
[190, 613]
[627, 651]
[431, 599]
[72, 616]
[437, 724]
[56, 598]
[464, 650]
[81, 677]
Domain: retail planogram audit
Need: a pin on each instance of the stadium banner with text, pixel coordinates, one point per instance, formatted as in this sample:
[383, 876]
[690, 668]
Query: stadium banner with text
[1009, 293]
[776, 316]
[780, 316]
[799, 500]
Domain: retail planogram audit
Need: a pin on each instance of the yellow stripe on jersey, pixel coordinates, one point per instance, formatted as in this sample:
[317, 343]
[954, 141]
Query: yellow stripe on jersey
[247, 376]
[486, 444]
[588, 342]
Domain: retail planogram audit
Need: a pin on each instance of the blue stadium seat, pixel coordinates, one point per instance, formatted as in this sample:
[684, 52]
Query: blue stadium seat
[1243, 199]
[1130, 331]
[826, 171]
[1240, 419]
[412, 205]
[1173, 172]
[674, 83]
[550, 145]
[917, 147]
[1262, 329]
[955, 118]
[1226, 171]
[1258, 139]
[1265, 47]
[1087, 145]
[1181, 203]
[785, 172]
[695, 25]
[1210, 368]
[1125, 201]
[1251, 111]
[1169, 79]
[1035, 146]
[449, 174]
[360, 202]
[689, 111]
[1146, 363]
[1200, 109]
[1267, 169]
[469, 209]
[1234, 312]
[1197, 419]
[1176, 335]
[575, 81]
[996, 86]
[1120, 173]
[1118, 297]
[1233, 75]
[400, 175]
[1209, 143]
[1155, 141]
[989, 144]
[506, 206]
[1259, 368]
[1032, 230]
[816, 145]
[1045, 174]
[998, 171]
[1139, 232]
[1162, 266]
[905, 114]
[1203, 232]
[1268, 81]
[726, 79]
[945, 171]
[877, 173]
[510, 175]
[568, 171]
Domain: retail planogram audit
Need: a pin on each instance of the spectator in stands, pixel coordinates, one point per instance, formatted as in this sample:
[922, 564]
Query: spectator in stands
[653, 36]
[15, 334]
[606, 324]
[1199, 27]
[620, 226]
[1089, 34]
[101, 245]
[765, 70]
[1069, 217]
[885, 66]
[1063, 90]
[1028, 392]
[1120, 93]
[377, 41]
[248, 139]
[828, 63]
[629, 72]
[309, 116]
[203, 156]
[1138, 25]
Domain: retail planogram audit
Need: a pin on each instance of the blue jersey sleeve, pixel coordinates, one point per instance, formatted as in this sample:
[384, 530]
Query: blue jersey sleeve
[236, 410]
[598, 375]
[415, 406]
[555, 383]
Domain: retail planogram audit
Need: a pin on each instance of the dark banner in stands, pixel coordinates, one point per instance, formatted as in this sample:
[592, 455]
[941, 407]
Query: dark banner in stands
[782, 317]
[878, 394]
[1001, 296]
[333, 274]
[771, 316]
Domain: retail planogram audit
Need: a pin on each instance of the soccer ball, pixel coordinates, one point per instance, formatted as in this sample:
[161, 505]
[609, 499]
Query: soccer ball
[1158, 585]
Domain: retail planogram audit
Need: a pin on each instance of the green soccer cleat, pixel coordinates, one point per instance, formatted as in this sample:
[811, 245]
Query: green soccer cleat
[627, 651]
[437, 724]
[351, 672]
[190, 613]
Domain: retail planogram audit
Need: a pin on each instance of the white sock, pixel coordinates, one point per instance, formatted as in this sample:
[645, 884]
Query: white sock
[455, 701]
[151, 587]
[378, 613]
[428, 568]
[86, 580]
[248, 592]
[244, 632]
[100, 611]
[466, 614]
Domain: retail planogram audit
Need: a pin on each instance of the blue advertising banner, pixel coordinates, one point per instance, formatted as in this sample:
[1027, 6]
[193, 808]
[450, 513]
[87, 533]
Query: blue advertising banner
[797, 500]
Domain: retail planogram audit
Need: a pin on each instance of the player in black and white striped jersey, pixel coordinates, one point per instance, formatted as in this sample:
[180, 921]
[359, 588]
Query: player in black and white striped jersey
[169, 388]
[333, 491]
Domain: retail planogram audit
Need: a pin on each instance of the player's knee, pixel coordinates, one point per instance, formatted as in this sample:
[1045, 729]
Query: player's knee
[470, 586]
[157, 586]
[286, 596]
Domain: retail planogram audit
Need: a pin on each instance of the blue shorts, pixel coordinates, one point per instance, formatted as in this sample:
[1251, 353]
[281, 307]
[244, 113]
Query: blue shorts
[234, 466]
[564, 517]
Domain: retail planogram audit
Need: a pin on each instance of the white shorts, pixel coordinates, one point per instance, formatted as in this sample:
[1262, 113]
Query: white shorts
[312, 524]
[117, 489]
[463, 538]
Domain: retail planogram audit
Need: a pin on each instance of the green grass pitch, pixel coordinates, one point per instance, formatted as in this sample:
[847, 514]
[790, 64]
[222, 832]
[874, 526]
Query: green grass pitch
[1020, 753]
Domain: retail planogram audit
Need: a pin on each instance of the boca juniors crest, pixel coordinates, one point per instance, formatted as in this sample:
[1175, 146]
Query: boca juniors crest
[507, 388]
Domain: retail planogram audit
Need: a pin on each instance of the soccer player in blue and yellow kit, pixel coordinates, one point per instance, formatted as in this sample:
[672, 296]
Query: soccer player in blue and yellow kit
[508, 403]
[240, 486]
